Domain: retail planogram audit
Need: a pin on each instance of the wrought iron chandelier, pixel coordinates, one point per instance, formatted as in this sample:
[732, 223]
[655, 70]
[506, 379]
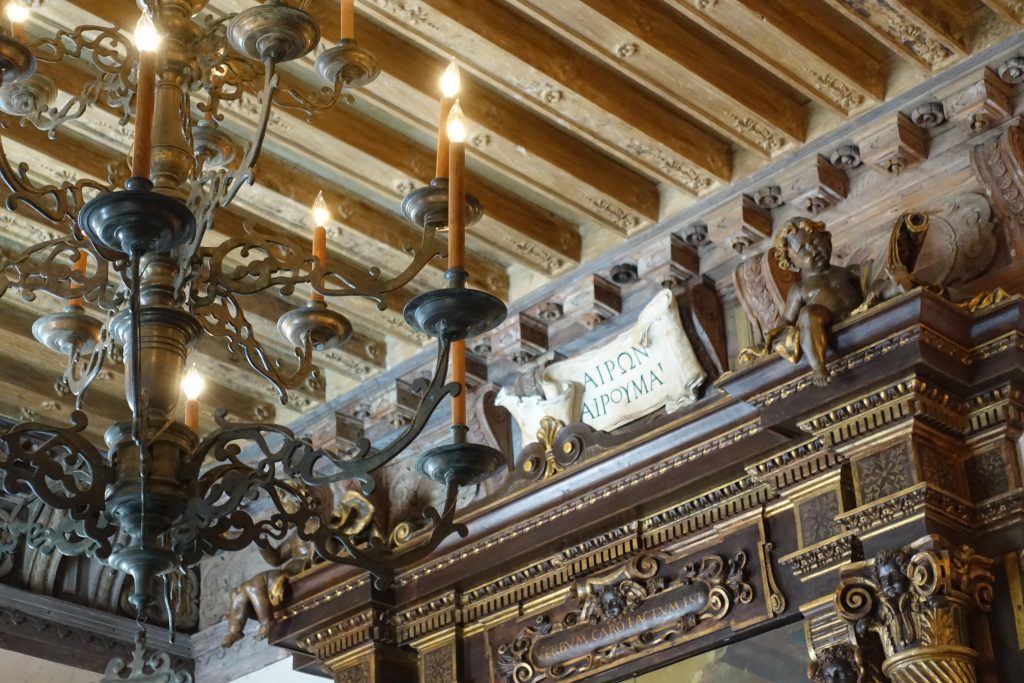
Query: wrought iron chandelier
[158, 497]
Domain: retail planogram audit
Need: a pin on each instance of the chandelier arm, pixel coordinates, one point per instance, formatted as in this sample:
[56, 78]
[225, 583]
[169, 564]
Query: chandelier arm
[63, 470]
[231, 183]
[107, 49]
[366, 458]
[379, 558]
[221, 316]
[31, 274]
[312, 103]
[56, 204]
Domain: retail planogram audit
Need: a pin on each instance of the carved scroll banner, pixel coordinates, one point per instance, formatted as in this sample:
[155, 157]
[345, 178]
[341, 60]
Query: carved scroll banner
[649, 366]
[651, 602]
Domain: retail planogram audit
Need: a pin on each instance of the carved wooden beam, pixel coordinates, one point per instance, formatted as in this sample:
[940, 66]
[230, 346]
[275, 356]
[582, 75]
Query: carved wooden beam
[387, 164]
[582, 94]
[510, 139]
[700, 75]
[814, 187]
[1010, 9]
[830, 66]
[929, 33]
[739, 223]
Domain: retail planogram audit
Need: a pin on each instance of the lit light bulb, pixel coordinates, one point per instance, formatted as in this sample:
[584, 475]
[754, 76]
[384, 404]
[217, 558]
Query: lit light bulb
[146, 37]
[456, 124]
[193, 384]
[321, 214]
[17, 11]
[451, 80]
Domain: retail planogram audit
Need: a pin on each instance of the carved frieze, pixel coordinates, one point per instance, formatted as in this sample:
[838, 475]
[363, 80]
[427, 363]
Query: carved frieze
[639, 608]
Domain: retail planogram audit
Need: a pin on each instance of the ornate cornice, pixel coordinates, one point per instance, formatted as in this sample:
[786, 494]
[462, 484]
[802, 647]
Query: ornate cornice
[828, 555]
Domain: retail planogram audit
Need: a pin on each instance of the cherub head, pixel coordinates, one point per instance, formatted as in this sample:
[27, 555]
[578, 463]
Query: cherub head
[891, 572]
[837, 664]
[803, 245]
[612, 603]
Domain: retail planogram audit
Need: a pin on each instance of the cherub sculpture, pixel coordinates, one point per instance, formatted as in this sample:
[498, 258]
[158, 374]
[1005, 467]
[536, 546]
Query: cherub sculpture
[843, 664]
[258, 596]
[827, 293]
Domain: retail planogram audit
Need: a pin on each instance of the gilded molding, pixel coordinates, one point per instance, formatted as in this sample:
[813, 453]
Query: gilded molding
[904, 506]
[813, 561]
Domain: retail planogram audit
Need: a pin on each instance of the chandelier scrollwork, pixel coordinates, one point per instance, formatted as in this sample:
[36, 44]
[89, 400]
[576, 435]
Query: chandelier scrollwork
[158, 497]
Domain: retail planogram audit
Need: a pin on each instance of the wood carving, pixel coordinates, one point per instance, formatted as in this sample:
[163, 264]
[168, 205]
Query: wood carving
[999, 165]
[896, 148]
[815, 188]
[257, 596]
[634, 609]
[762, 286]
[827, 293]
[919, 601]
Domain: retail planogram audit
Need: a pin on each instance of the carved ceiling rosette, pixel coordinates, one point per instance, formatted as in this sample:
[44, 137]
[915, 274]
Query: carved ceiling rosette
[634, 609]
[918, 600]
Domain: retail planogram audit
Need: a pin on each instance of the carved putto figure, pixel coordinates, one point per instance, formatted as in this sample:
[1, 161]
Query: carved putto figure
[259, 595]
[827, 293]
[843, 664]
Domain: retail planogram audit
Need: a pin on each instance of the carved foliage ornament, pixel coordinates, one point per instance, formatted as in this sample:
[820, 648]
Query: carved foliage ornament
[633, 610]
[918, 601]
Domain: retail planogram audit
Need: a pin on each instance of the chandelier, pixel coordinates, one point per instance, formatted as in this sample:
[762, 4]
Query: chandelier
[157, 497]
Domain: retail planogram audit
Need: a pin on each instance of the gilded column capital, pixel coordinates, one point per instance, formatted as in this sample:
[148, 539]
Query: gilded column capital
[918, 600]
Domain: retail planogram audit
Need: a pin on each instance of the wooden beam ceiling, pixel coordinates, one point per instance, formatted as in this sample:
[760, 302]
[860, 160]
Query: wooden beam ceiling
[590, 121]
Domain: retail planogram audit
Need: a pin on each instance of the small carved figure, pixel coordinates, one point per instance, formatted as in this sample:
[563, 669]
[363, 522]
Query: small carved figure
[827, 293]
[843, 664]
[258, 596]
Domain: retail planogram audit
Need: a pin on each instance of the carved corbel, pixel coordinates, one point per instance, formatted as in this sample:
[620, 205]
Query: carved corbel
[816, 187]
[997, 164]
[919, 601]
[981, 105]
[740, 224]
[895, 148]
[672, 265]
[586, 304]
[519, 339]
[347, 432]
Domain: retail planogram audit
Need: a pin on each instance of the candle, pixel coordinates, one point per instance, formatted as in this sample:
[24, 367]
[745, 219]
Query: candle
[451, 82]
[147, 40]
[192, 384]
[79, 267]
[17, 13]
[321, 215]
[457, 241]
[348, 19]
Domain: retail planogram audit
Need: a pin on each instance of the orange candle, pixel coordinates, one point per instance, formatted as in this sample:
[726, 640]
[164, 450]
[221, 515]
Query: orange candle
[348, 19]
[146, 41]
[451, 82]
[79, 267]
[320, 217]
[441, 170]
[457, 241]
[192, 384]
[192, 415]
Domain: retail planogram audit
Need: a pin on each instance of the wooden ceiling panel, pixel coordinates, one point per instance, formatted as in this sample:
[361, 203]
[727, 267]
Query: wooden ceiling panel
[825, 66]
[510, 52]
[699, 74]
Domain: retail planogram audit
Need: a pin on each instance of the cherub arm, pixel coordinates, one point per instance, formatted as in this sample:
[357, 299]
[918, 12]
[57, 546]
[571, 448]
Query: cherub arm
[794, 302]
